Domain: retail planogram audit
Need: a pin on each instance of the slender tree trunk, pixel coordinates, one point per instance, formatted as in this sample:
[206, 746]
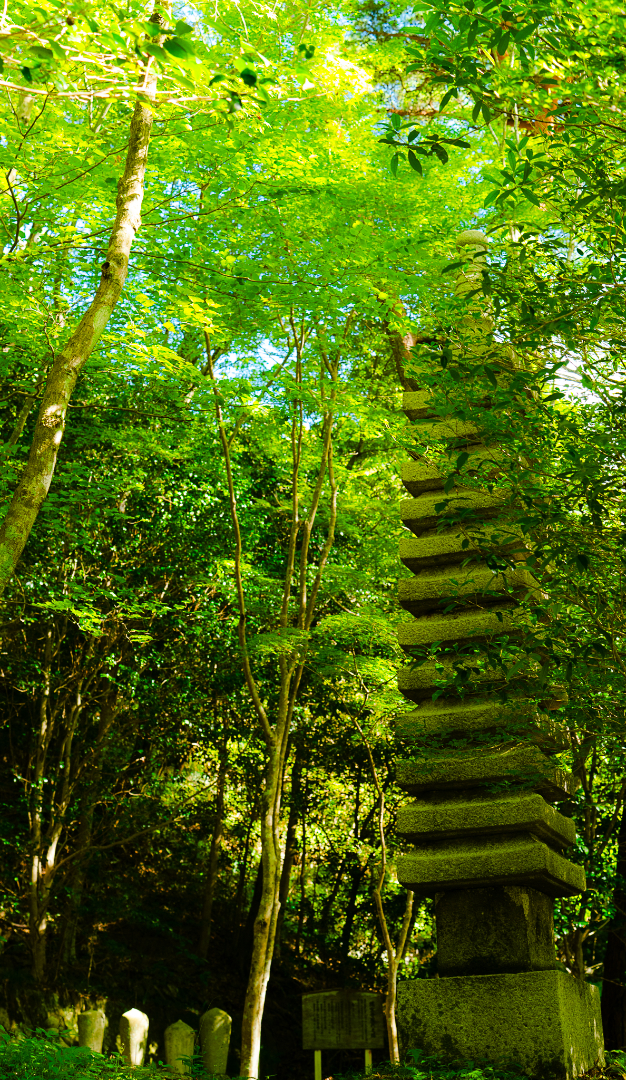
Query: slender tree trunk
[297, 613]
[37, 904]
[76, 885]
[241, 885]
[45, 853]
[330, 900]
[394, 955]
[91, 791]
[247, 935]
[357, 873]
[290, 852]
[36, 478]
[53, 787]
[211, 882]
[614, 974]
[265, 922]
[302, 868]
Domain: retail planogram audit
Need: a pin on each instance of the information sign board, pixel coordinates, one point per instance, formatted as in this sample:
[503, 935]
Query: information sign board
[343, 1020]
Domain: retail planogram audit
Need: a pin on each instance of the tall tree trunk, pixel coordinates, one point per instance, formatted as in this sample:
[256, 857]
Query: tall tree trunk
[247, 934]
[241, 887]
[614, 975]
[301, 905]
[330, 900]
[76, 885]
[394, 957]
[36, 478]
[265, 922]
[291, 665]
[211, 881]
[291, 850]
[357, 873]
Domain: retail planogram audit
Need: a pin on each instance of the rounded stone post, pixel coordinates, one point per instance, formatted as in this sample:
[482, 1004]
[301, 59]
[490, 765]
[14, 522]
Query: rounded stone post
[91, 1025]
[215, 1028]
[134, 1036]
[179, 1040]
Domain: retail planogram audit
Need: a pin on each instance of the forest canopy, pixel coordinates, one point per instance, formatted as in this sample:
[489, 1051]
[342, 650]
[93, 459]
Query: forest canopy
[221, 226]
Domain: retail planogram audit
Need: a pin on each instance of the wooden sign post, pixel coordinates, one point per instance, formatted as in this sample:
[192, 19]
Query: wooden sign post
[342, 1020]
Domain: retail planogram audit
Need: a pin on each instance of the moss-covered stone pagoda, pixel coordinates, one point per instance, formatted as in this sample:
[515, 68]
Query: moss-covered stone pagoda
[483, 837]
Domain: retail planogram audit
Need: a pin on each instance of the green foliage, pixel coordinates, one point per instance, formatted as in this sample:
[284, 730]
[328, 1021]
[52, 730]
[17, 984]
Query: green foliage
[541, 83]
[42, 1056]
[419, 1066]
[275, 244]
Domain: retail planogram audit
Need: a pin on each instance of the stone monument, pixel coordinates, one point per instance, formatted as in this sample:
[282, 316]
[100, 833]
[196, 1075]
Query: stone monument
[215, 1027]
[134, 1036]
[179, 1041]
[91, 1025]
[488, 845]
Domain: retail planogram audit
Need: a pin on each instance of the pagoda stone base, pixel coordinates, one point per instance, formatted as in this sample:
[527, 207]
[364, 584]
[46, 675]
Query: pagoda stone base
[546, 1022]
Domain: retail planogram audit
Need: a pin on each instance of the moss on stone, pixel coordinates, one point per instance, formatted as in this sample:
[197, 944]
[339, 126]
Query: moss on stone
[448, 427]
[427, 511]
[493, 930]
[419, 683]
[544, 1021]
[438, 550]
[477, 862]
[417, 404]
[526, 766]
[474, 583]
[421, 476]
[458, 626]
[515, 719]
[485, 814]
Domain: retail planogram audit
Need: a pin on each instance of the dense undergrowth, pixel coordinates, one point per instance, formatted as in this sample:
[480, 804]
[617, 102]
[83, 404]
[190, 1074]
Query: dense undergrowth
[421, 1067]
[44, 1057]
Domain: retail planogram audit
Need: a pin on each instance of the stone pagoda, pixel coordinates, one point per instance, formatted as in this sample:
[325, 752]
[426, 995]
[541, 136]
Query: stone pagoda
[483, 836]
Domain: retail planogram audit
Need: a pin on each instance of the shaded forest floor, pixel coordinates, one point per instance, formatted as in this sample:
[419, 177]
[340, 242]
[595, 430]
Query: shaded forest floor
[150, 967]
[142, 962]
[42, 1059]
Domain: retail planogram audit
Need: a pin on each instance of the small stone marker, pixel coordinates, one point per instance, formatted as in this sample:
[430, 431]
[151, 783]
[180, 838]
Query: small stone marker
[134, 1036]
[342, 1020]
[179, 1040]
[215, 1028]
[91, 1025]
